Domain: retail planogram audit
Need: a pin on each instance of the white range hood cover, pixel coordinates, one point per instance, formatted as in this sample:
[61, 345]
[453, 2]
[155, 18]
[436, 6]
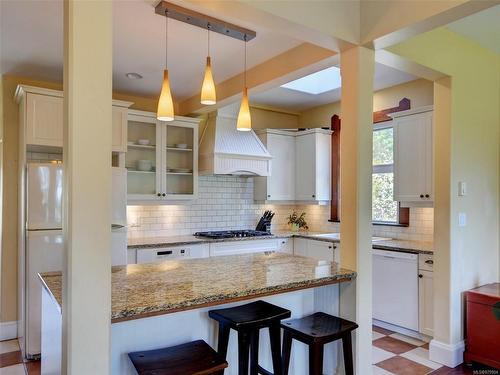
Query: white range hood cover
[227, 151]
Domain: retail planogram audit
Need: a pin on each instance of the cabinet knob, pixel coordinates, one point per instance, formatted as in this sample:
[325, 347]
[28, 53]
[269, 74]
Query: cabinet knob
[421, 195]
[164, 195]
[429, 261]
[330, 247]
[159, 194]
[283, 242]
[420, 276]
[427, 195]
[314, 196]
[269, 196]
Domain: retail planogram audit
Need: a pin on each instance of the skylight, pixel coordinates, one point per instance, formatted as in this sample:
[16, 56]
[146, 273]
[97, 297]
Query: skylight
[317, 83]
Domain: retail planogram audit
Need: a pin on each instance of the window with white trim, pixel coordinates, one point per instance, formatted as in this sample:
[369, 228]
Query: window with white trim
[384, 208]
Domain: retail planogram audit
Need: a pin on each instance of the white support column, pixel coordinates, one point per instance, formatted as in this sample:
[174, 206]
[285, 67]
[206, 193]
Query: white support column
[357, 66]
[87, 208]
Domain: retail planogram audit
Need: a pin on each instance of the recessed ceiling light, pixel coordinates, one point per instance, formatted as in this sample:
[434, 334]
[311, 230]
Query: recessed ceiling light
[133, 75]
[317, 83]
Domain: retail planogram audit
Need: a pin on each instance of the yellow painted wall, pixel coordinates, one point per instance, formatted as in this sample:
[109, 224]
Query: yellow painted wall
[420, 92]
[472, 252]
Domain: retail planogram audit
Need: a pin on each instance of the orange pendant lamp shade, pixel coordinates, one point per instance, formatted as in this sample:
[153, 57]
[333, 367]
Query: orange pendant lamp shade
[244, 122]
[165, 110]
[208, 96]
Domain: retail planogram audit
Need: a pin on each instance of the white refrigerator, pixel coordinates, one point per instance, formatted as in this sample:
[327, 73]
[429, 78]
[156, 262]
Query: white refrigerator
[44, 242]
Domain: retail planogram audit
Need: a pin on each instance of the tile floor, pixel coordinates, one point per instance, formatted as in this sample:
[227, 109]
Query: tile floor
[392, 354]
[11, 362]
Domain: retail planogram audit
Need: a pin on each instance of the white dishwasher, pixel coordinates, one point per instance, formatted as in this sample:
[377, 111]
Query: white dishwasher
[395, 288]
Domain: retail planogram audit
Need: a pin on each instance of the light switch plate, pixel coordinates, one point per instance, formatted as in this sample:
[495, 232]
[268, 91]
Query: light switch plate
[462, 219]
[462, 189]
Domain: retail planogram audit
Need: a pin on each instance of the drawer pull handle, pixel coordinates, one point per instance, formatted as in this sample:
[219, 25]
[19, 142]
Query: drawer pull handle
[429, 261]
[166, 252]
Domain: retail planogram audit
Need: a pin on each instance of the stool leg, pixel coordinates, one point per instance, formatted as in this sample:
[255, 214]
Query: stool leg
[243, 347]
[254, 353]
[275, 338]
[223, 340]
[347, 348]
[315, 359]
[287, 349]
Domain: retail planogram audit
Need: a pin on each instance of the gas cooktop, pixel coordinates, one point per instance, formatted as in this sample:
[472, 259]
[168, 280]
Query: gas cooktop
[232, 234]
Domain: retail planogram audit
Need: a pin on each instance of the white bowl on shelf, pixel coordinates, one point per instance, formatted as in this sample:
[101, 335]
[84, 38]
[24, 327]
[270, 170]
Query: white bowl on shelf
[143, 142]
[144, 165]
[181, 145]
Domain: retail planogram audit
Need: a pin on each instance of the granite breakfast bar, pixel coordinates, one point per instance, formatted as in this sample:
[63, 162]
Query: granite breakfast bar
[162, 304]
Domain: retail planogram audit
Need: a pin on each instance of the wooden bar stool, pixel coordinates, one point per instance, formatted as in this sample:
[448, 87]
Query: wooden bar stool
[316, 330]
[192, 358]
[247, 320]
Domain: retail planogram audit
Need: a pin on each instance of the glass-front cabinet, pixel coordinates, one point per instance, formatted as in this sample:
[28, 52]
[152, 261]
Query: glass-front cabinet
[161, 159]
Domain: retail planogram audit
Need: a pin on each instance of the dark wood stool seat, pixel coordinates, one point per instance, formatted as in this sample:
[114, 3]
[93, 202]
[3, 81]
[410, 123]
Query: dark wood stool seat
[316, 330]
[247, 320]
[192, 358]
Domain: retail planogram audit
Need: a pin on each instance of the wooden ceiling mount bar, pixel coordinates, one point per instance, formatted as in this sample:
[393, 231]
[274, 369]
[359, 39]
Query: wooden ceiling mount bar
[164, 8]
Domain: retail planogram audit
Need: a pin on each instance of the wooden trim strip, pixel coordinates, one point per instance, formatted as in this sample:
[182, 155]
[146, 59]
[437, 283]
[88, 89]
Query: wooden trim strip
[382, 115]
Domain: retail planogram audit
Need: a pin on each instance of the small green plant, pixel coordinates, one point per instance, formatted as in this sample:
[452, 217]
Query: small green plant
[297, 221]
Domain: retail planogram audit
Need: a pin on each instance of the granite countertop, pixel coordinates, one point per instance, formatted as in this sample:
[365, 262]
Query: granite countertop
[411, 246]
[141, 290]
[153, 242]
[421, 247]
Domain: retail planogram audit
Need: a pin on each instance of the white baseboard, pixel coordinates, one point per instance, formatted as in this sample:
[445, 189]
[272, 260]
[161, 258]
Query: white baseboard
[450, 355]
[8, 330]
[401, 330]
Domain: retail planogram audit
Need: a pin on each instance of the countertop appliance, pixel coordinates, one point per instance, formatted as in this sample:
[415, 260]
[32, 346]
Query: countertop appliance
[44, 242]
[232, 234]
[395, 288]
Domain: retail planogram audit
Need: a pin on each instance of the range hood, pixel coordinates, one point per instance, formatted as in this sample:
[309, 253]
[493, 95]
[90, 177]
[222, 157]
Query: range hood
[226, 151]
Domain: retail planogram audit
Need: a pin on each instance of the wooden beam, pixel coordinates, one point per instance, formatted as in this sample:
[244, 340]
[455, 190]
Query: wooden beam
[275, 71]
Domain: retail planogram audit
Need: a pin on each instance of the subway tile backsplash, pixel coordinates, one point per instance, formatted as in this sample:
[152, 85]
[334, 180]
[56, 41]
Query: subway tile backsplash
[226, 202]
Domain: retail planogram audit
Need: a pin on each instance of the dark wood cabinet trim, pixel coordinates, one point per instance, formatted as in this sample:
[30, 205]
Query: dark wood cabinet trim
[379, 116]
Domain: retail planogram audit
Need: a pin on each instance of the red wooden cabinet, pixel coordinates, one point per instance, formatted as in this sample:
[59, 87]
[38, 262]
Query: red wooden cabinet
[483, 325]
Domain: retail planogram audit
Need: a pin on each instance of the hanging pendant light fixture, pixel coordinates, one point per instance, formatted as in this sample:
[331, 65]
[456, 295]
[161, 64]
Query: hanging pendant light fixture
[165, 110]
[244, 122]
[208, 95]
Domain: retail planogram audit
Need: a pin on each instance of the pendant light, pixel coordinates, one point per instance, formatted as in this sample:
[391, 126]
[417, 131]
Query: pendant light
[244, 122]
[165, 110]
[208, 96]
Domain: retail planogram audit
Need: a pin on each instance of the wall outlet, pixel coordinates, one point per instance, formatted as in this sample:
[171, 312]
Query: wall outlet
[462, 219]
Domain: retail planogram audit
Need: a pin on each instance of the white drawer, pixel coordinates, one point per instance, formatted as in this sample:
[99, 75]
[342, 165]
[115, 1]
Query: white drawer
[426, 262]
[243, 247]
[172, 252]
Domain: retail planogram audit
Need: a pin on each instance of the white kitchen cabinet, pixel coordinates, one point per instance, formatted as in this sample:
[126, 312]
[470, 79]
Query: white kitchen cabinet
[320, 250]
[426, 294]
[300, 167]
[119, 129]
[425, 302]
[285, 245]
[313, 165]
[190, 251]
[280, 185]
[244, 246]
[42, 113]
[44, 120]
[167, 167]
[413, 157]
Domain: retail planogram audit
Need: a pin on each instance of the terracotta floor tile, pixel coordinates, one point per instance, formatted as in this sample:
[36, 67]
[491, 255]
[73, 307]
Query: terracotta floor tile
[33, 367]
[402, 366]
[11, 358]
[393, 345]
[382, 330]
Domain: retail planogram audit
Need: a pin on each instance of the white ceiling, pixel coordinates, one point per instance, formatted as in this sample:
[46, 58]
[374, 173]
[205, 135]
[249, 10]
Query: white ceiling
[483, 27]
[32, 45]
[299, 101]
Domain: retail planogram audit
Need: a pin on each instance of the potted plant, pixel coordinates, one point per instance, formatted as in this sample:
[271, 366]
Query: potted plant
[297, 222]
